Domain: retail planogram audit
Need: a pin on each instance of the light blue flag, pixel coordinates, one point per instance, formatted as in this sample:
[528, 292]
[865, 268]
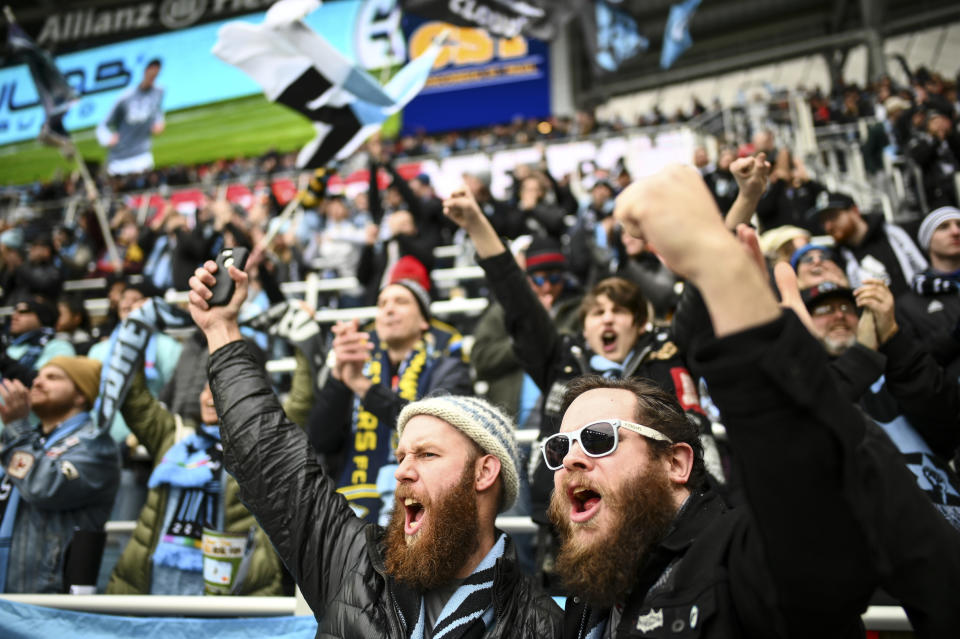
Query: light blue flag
[618, 38]
[23, 621]
[676, 37]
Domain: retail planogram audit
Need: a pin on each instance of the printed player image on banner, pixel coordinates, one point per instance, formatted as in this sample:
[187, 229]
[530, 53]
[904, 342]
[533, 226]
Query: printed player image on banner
[191, 75]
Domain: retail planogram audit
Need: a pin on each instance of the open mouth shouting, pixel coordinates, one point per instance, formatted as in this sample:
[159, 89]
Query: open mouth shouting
[415, 513]
[584, 503]
[609, 339]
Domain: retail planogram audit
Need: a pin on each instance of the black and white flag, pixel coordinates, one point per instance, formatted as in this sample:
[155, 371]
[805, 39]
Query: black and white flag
[301, 70]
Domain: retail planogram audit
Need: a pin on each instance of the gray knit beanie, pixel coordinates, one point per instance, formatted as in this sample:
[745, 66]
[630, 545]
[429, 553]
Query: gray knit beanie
[484, 424]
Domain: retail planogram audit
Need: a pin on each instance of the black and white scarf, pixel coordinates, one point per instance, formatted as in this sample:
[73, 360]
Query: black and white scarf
[469, 611]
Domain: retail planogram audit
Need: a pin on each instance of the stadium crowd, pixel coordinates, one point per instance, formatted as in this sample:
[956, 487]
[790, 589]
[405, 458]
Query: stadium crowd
[575, 288]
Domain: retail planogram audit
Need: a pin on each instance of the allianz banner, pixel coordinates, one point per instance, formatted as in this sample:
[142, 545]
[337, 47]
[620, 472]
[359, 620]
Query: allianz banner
[191, 75]
[478, 80]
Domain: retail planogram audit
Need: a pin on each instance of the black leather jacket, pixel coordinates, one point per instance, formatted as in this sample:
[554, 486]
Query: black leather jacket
[335, 557]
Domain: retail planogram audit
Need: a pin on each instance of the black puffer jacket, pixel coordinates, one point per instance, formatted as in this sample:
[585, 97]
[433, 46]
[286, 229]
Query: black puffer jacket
[334, 557]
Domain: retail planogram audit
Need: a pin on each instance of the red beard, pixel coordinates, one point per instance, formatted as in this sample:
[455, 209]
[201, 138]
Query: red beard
[442, 545]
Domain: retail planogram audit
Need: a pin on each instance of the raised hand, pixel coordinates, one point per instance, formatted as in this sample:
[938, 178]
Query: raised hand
[462, 208]
[875, 296]
[678, 217]
[751, 174]
[16, 400]
[351, 350]
[218, 323]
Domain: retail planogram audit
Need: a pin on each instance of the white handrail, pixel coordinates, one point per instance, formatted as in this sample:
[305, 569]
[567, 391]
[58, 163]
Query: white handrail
[163, 605]
[890, 618]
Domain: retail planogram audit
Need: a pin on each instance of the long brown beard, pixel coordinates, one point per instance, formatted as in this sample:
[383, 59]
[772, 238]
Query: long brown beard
[442, 545]
[602, 572]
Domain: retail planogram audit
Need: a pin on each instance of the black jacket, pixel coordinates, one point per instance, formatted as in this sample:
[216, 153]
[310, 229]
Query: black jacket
[334, 557]
[830, 515]
[932, 319]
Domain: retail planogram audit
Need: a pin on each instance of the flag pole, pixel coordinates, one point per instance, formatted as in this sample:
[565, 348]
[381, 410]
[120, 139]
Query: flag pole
[285, 214]
[94, 194]
[68, 149]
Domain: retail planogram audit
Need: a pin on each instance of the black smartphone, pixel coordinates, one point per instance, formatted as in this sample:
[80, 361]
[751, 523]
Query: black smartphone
[223, 289]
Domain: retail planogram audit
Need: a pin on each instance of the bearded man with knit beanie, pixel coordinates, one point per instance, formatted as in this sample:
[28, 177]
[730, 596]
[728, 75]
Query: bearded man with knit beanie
[59, 475]
[440, 569]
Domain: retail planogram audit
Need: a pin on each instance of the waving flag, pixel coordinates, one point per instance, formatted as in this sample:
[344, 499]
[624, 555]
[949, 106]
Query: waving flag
[613, 37]
[55, 94]
[676, 37]
[301, 70]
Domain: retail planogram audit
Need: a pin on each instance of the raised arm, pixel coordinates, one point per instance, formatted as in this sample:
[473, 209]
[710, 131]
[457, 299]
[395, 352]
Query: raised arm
[310, 525]
[792, 435]
[535, 338]
[752, 175]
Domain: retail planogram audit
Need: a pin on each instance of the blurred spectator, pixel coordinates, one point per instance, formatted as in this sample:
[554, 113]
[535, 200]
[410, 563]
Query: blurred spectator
[41, 273]
[870, 246]
[50, 495]
[372, 375]
[335, 250]
[721, 181]
[903, 389]
[492, 355]
[30, 340]
[160, 356]
[165, 555]
[937, 152]
[790, 196]
[779, 244]
[160, 361]
[73, 323]
[11, 252]
[70, 244]
[815, 264]
[701, 161]
[931, 310]
[658, 285]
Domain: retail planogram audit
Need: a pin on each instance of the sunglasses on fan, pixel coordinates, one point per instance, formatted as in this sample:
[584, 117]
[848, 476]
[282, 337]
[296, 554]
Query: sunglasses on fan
[596, 439]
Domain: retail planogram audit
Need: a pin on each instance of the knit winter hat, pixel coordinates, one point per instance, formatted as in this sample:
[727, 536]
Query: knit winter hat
[411, 274]
[484, 424]
[932, 221]
[545, 254]
[83, 371]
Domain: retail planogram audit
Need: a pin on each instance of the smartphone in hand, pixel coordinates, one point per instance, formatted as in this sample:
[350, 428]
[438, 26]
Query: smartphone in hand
[225, 286]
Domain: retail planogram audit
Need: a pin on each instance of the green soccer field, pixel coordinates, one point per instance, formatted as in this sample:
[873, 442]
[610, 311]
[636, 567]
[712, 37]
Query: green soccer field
[243, 127]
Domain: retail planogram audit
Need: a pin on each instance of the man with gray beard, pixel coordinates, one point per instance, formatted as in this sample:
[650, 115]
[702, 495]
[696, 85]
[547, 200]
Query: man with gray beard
[894, 380]
[441, 569]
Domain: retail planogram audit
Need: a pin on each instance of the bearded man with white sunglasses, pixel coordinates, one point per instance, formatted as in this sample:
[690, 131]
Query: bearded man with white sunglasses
[826, 515]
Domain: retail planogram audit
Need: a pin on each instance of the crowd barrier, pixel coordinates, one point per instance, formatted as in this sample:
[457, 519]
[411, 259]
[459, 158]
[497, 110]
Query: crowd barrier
[879, 618]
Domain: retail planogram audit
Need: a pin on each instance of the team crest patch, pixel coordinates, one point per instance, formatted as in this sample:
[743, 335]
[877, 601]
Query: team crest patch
[69, 470]
[650, 621]
[20, 464]
[668, 350]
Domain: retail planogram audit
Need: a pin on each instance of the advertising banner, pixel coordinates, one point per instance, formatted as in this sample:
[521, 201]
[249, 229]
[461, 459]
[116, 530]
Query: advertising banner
[479, 79]
[191, 75]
